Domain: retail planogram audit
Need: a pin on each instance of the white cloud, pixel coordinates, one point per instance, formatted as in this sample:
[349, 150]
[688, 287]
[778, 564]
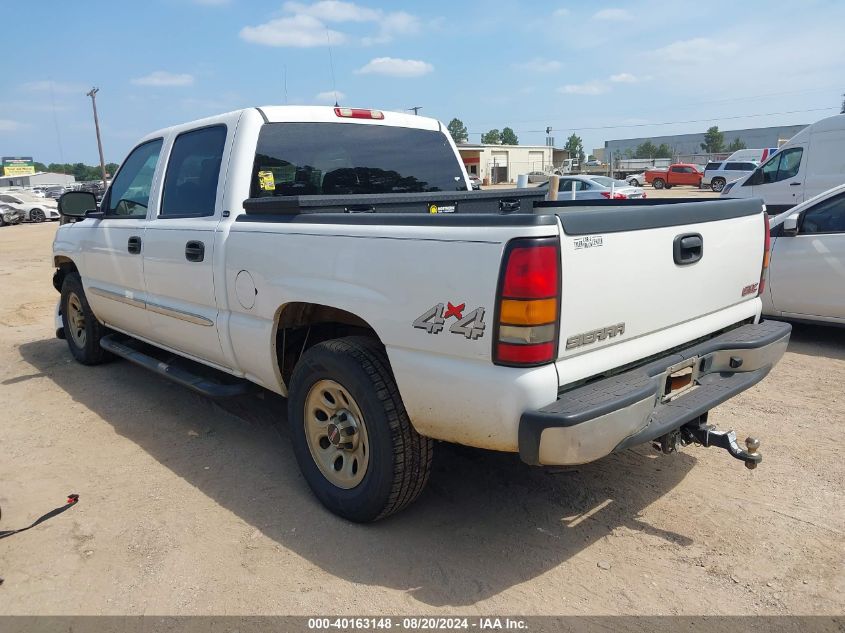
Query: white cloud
[394, 67]
[7, 125]
[334, 11]
[560, 13]
[624, 78]
[330, 96]
[301, 31]
[697, 50]
[613, 15]
[306, 24]
[56, 86]
[539, 65]
[164, 79]
[593, 87]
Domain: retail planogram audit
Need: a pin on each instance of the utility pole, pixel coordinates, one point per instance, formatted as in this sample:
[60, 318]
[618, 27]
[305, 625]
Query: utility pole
[416, 109]
[93, 95]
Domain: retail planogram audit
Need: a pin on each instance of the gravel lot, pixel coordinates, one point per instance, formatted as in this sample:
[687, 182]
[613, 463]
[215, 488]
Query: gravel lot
[193, 507]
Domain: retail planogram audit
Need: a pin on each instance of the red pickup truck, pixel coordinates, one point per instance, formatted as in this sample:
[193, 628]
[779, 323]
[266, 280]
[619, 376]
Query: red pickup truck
[676, 174]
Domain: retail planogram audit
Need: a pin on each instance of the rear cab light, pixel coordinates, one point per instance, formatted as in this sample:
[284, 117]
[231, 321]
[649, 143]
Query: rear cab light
[527, 317]
[767, 248]
[359, 113]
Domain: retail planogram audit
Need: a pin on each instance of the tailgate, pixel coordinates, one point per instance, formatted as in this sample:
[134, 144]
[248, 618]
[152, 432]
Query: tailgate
[632, 269]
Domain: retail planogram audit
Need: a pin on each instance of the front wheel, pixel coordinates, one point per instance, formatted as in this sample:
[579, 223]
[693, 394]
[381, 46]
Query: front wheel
[82, 329]
[658, 183]
[37, 215]
[634, 182]
[351, 435]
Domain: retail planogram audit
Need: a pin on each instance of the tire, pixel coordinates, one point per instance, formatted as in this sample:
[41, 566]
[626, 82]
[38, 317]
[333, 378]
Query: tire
[37, 215]
[658, 183]
[354, 374]
[82, 335]
[634, 182]
[717, 184]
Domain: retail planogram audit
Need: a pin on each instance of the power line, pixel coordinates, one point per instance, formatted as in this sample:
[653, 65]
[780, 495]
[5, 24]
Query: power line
[637, 125]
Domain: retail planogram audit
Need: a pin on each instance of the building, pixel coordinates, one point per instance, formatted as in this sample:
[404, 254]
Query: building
[503, 163]
[39, 179]
[690, 144]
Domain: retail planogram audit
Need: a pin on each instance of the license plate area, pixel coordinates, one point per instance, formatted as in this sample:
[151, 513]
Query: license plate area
[679, 379]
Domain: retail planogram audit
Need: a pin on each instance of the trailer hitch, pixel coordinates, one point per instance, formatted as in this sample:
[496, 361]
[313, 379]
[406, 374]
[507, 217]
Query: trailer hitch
[699, 432]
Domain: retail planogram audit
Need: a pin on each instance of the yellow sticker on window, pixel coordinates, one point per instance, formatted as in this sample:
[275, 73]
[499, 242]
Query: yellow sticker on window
[266, 181]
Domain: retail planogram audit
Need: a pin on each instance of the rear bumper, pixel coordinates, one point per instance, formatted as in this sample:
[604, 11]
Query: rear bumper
[627, 409]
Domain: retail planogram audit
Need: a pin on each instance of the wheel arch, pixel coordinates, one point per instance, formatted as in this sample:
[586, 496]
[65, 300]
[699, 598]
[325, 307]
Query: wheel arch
[64, 266]
[300, 325]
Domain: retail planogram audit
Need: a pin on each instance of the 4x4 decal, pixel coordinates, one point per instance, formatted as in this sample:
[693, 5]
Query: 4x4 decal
[433, 320]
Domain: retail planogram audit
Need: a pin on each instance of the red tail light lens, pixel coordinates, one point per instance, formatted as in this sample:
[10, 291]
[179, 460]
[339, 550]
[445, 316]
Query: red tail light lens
[528, 303]
[767, 248]
[616, 196]
[359, 113]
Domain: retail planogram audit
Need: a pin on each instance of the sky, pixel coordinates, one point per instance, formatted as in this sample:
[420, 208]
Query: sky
[602, 70]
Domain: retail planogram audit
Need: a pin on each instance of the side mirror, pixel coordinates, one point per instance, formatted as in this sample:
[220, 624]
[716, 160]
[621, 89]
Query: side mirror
[790, 224]
[78, 204]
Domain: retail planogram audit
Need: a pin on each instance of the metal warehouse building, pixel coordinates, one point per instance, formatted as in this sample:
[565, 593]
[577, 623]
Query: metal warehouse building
[755, 138]
[37, 179]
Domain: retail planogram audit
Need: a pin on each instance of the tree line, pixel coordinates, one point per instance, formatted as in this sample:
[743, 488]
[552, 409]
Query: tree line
[505, 136]
[80, 171]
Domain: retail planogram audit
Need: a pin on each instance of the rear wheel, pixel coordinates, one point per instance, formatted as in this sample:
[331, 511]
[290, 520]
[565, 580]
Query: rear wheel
[634, 182]
[82, 329]
[668, 186]
[351, 435]
[717, 184]
[37, 215]
[658, 183]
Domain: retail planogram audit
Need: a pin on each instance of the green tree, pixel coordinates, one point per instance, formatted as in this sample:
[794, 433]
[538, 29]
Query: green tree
[39, 166]
[663, 151]
[458, 131]
[493, 137]
[575, 147]
[508, 137]
[645, 150]
[111, 168]
[736, 145]
[714, 141]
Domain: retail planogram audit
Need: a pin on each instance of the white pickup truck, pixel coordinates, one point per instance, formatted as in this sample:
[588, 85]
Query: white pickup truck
[337, 257]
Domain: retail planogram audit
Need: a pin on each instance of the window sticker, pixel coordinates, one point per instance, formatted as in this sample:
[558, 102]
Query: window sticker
[266, 181]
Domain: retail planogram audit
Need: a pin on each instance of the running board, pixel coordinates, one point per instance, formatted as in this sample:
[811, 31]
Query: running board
[187, 373]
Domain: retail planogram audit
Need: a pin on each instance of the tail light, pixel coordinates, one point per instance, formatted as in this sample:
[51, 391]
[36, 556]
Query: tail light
[616, 196]
[767, 248]
[359, 113]
[528, 303]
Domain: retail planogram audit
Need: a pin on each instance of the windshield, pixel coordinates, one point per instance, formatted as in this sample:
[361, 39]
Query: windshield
[295, 159]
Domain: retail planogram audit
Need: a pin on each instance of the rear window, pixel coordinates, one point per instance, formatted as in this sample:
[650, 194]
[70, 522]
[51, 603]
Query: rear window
[294, 159]
[712, 166]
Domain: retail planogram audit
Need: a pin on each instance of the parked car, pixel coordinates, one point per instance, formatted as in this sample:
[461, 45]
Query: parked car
[33, 209]
[675, 174]
[555, 333]
[719, 173]
[810, 163]
[8, 215]
[807, 268]
[596, 188]
[475, 182]
[593, 163]
[636, 180]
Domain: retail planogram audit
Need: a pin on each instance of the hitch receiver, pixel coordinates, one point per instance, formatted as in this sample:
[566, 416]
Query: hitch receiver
[706, 435]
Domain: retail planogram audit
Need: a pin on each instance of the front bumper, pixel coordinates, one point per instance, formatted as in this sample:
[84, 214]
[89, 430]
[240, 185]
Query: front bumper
[610, 414]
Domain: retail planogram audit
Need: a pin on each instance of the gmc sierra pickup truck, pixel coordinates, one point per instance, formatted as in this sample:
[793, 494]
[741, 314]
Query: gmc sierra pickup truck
[337, 257]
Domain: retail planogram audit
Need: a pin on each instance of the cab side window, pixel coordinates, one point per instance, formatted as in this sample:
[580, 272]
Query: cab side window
[129, 194]
[190, 184]
[825, 217]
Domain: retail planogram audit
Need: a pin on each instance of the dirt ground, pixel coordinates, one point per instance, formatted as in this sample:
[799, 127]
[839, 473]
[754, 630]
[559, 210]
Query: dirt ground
[192, 507]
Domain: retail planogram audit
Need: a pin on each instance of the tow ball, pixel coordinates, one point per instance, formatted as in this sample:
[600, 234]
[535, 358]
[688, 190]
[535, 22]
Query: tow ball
[699, 432]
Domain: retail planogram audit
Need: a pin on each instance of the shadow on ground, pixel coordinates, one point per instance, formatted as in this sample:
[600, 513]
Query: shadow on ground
[487, 522]
[818, 340]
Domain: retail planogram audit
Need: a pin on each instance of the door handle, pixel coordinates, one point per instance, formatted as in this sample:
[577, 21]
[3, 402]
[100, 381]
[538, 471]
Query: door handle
[688, 248]
[134, 245]
[194, 251]
[795, 184]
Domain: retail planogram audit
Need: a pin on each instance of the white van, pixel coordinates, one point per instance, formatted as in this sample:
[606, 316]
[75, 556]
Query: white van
[811, 162]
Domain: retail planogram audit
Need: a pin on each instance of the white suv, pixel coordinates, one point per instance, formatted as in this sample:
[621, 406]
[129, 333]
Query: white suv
[718, 174]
